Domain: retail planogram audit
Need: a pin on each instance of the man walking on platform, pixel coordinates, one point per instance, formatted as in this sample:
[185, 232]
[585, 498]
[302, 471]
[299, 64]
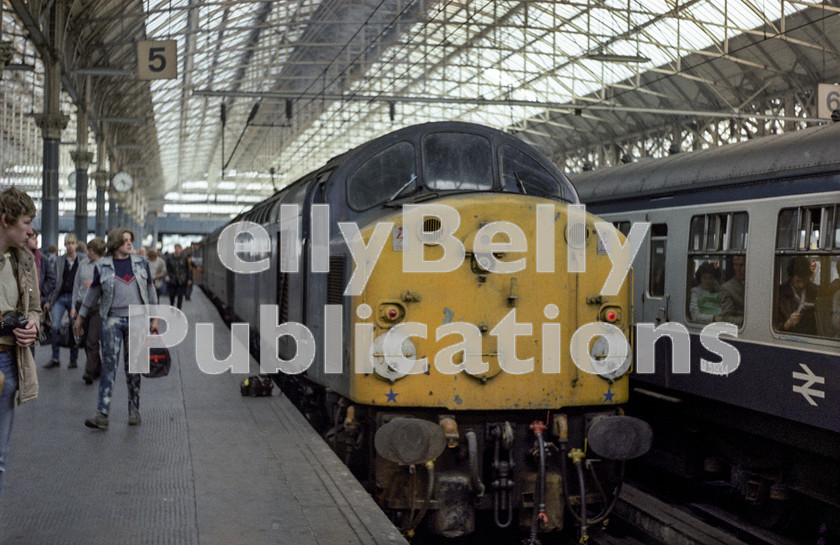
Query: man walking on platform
[178, 276]
[61, 300]
[90, 340]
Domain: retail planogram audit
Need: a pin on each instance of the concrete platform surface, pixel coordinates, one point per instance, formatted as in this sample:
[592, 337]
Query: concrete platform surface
[207, 466]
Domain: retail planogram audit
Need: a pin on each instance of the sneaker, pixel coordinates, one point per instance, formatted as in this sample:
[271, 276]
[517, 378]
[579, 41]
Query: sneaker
[52, 364]
[73, 365]
[133, 417]
[100, 420]
[87, 378]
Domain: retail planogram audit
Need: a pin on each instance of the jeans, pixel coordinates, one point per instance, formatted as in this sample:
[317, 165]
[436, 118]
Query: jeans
[63, 304]
[8, 364]
[114, 335]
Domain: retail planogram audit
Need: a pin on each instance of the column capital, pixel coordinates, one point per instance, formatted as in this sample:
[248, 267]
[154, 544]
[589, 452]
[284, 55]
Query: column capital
[83, 159]
[51, 125]
[101, 179]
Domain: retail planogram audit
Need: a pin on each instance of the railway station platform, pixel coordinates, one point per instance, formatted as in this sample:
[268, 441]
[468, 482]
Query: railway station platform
[206, 466]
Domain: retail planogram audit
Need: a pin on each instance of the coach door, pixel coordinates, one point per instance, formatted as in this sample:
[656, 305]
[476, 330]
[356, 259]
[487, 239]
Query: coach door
[655, 301]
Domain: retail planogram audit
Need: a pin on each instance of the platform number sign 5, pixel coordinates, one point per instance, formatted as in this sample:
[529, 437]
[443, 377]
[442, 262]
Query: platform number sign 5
[157, 59]
[828, 99]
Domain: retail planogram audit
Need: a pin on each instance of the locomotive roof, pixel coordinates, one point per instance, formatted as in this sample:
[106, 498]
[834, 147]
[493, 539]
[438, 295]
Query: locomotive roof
[807, 151]
[350, 158]
[423, 128]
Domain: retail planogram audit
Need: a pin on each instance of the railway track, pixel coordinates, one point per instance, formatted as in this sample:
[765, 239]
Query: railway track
[641, 518]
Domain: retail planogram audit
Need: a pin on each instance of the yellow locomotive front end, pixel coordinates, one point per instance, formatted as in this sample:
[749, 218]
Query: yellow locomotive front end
[489, 341]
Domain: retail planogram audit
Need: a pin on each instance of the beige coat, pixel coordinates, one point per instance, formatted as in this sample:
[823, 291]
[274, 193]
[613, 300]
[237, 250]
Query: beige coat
[29, 304]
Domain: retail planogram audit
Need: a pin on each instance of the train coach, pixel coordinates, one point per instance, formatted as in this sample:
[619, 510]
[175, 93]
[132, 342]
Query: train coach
[749, 234]
[457, 402]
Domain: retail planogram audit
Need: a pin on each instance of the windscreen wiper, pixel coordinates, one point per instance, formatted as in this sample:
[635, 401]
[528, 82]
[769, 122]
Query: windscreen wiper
[519, 181]
[400, 190]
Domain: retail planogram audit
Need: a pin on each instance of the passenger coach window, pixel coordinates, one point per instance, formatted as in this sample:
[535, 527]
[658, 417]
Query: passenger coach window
[806, 297]
[522, 174]
[457, 161]
[656, 272]
[381, 177]
[717, 266]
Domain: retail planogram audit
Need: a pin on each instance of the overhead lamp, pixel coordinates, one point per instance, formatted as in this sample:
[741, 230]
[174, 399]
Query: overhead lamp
[101, 71]
[612, 57]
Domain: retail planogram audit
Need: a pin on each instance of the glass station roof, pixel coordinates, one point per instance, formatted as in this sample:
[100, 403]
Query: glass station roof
[303, 80]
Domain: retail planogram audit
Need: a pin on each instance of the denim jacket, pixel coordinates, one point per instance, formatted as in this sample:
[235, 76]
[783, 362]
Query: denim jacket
[107, 275]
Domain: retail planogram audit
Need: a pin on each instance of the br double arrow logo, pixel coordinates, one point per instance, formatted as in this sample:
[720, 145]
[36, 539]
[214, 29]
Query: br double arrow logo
[805, 388]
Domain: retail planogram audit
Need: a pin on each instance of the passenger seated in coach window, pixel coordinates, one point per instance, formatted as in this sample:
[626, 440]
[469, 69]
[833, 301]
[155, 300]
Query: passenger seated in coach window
[732, 293]
[705, 305]
[796, 298]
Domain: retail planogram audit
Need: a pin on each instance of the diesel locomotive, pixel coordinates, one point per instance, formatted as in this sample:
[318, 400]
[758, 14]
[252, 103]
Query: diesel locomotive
[423, 314]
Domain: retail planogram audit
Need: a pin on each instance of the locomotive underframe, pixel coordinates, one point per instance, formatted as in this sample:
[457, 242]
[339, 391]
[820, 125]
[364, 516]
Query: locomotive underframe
[506, 484]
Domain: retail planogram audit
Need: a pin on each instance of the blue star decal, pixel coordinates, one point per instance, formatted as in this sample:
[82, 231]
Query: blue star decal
[608, 396]
[392, 397]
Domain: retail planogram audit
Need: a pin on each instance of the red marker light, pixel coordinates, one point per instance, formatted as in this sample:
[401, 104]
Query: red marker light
[611, 316]
[392, 313]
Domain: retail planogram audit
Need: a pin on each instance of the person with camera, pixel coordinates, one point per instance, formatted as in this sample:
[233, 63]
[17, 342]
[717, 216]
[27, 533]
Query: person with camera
[20, 304]
[121, 280]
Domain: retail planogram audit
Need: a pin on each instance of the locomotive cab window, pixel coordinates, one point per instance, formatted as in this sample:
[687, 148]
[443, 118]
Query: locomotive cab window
[623, 227]
[387, 175]
[457, 162]
[717, 265]
[522, 174]
[806, 299]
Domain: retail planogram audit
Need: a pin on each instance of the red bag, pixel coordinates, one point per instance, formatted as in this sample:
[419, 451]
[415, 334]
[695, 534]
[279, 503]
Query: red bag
[160, 362]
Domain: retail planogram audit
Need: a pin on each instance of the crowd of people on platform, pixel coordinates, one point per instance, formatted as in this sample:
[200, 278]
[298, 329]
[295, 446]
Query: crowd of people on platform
[94, 286]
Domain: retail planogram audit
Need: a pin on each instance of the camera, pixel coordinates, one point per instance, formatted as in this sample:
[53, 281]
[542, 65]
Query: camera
[12, 321]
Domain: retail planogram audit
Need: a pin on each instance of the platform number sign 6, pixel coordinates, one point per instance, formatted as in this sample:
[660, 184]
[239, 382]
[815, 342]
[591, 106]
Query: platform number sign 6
[833, 100]
[157, 59]
[828, 99]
